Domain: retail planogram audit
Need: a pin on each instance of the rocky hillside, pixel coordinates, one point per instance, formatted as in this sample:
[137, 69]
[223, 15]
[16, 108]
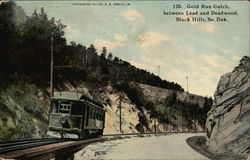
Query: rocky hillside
[160, 94]
[228, 128]
[141, 119]
[24, 107]
[133, 119]
[181, 111]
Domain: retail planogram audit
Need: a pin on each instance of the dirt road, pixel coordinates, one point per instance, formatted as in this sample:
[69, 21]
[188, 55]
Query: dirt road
[168, 147]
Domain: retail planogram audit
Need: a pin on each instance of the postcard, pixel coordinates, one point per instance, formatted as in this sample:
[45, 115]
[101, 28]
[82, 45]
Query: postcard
[149, 79]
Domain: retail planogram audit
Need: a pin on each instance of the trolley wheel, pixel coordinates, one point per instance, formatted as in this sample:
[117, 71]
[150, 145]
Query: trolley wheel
[100, 133]
[83, 135]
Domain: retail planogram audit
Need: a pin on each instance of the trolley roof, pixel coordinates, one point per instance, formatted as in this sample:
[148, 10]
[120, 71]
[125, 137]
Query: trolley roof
[75, 96]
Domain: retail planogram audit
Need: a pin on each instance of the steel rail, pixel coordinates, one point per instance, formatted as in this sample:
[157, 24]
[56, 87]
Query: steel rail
[151, 133]
[25, 140]
[9, 143]
[9, 146]
[58, 149]
[47, 151]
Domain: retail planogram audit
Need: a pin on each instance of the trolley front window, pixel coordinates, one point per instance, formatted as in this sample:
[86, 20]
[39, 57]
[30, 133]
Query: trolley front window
[54, 107]
[65, 107]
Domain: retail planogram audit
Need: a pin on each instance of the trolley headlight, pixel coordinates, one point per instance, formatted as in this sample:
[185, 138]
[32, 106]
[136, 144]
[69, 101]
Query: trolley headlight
[63, 120]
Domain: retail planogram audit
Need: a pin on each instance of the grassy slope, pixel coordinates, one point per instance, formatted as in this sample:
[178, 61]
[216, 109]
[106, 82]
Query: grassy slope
[23, 110]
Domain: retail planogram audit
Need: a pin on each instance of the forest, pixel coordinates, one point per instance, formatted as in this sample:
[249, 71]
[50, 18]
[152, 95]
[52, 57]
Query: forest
[25, 45]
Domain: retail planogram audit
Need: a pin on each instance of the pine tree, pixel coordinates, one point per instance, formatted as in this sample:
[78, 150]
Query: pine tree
[104, 53]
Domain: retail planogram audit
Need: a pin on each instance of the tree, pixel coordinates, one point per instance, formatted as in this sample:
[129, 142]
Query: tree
[93, 58]
[35, 47]
[11, 16]
[104, 53]
[116, 59]
[110, 56]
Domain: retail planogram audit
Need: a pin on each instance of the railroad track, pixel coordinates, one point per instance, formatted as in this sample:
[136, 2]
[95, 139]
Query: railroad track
[152, 133]
[8, 146]
[43, 149]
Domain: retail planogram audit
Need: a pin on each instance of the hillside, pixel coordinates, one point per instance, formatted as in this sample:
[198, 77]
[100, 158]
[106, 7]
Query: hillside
[25, 107]
[181, 110]
[137, 118]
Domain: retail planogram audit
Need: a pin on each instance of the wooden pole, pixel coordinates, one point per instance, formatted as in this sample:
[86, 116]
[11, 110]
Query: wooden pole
[120, 106]
[155, 103]
[169, 125]
[195, 119]
[51, 67]
[187, 83]
[155, 118]
[181, 118]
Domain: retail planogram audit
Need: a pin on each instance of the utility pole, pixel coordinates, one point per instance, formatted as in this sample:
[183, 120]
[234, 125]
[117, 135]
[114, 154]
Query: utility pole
[187, 83]
[181, 118]
[120, 106]
[169, 119]
[158, 71]
[154, 103]
[51, 66]
[85, 59]
[195, 119]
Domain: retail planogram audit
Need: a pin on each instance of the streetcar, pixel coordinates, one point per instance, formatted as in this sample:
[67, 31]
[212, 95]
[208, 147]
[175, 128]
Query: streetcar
[73, 115]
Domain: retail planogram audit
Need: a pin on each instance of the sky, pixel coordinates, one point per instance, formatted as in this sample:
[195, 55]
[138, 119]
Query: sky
[139, 32]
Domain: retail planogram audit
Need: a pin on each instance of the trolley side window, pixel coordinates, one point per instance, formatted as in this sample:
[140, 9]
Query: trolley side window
[99, 115]
[102, 115]
[77, 108]
[87, 115]
[93, 113]
[96, 114]
[90, 112]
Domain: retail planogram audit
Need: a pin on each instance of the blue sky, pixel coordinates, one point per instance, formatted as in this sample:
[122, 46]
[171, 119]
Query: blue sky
[142, 35]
